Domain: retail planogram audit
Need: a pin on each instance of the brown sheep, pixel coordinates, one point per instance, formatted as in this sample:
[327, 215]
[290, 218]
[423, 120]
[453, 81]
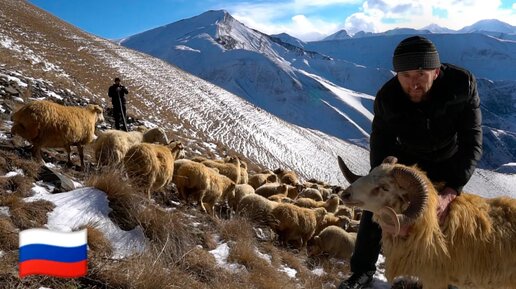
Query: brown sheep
[48, 124]
[343, 210]
[196, 180]
[112, 145]
[230, 168]
[256, 208]
[244, 176]
[241, 190]
[287, 177]
[151, 165]
[311, 193]
[296, 225]
[474, 248]
[155, 135]
[258, 180]
[333, 220]
[334, 241]
[330, 204]
[271, 189]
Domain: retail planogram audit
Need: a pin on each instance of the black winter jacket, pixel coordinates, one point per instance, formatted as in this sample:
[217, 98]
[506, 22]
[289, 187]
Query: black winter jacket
[442, 135]
[116, 95]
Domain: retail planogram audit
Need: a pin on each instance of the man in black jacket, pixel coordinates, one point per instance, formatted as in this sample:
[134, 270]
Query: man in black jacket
[117, 94]
[429, 115]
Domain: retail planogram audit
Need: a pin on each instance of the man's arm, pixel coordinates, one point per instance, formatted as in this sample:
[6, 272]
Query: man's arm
[382, 138]
[469, 136]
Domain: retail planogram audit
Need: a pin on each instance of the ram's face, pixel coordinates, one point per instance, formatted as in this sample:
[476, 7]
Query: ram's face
[376, 190]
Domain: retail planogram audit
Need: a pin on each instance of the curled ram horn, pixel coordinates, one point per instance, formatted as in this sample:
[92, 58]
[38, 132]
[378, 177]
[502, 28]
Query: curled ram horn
[417, 193]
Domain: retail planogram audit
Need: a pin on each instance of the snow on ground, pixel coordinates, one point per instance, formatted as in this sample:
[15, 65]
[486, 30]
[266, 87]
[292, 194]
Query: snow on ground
[89, 206]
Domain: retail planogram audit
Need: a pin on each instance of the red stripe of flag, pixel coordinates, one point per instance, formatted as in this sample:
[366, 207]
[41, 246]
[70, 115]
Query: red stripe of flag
[52, 268]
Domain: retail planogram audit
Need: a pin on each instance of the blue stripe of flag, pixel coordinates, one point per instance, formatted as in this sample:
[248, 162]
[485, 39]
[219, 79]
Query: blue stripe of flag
[53, 253]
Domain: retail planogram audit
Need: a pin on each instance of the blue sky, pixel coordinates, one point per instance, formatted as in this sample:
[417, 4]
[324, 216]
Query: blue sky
[305, 19]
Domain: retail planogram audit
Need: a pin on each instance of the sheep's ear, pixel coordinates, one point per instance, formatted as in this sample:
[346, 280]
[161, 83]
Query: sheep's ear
[389, 221]
[390, 160]
[98, 109]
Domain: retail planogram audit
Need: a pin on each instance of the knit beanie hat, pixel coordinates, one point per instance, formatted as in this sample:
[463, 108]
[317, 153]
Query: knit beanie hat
[415, 52]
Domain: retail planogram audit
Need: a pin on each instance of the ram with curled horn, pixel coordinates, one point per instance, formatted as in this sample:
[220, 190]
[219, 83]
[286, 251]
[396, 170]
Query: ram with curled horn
[474, 248]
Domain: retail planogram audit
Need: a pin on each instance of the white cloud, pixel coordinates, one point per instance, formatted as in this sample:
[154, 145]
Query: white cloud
[299, 18]
[453, 14]
[282, 17]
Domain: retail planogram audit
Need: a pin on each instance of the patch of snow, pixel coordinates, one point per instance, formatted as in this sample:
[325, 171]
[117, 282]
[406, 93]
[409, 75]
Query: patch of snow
[4, 211]
[221, 254]
[89, 206]
[16, 172]
[289, 271]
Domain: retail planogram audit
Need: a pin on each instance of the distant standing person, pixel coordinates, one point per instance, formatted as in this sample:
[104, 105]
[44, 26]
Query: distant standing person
[117, 94]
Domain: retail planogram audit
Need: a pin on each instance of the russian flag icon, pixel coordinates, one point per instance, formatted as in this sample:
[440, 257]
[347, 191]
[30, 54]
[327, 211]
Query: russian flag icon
[57, 254]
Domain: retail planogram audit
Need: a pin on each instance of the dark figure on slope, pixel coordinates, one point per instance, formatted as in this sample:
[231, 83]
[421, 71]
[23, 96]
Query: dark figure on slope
[117, 94]
[429, 115]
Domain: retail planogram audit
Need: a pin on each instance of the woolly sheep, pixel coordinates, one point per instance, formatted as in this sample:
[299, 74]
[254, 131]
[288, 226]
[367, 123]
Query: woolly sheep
[295, 225]
[474, 247]
[334, 241]
[331, 219]
[241, 190]
[195, 180]
[111, 145]
[48, 124]
[311, 193]
[259, 179]
[330, 205]
[155, 135]
[271, 189]
[151, 165]
[287, 177]
[343, 210]
[229, 168]
[244, 176]
[256, 208]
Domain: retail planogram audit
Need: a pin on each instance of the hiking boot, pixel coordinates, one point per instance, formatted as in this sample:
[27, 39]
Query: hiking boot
[358, 281]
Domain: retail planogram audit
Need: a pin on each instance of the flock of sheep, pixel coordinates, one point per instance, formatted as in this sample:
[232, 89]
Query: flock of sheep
[298, 212]
[474, 248]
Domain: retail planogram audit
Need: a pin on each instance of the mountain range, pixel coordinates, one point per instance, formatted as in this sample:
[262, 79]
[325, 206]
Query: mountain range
[329, 85]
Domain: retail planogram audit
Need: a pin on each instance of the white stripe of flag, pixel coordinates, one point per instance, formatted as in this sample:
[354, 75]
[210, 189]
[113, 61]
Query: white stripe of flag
[47, 237]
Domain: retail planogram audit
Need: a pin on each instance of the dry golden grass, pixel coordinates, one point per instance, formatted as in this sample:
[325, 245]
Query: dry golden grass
[26, 215]
[8, 235]
[98, 244]
[122, 199]
[20, 184]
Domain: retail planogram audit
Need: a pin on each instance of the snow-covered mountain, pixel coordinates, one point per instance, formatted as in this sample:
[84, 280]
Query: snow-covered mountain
[298, 85]
[326, 85]
[489, 25]
[339, 35]
[434, 28]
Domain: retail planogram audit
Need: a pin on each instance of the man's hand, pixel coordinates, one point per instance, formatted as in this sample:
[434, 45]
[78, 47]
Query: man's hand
[446, 196]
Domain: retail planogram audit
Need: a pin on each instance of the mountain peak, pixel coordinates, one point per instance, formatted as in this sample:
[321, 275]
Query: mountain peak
[490, 25]
[339, 35]
[434, 28]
